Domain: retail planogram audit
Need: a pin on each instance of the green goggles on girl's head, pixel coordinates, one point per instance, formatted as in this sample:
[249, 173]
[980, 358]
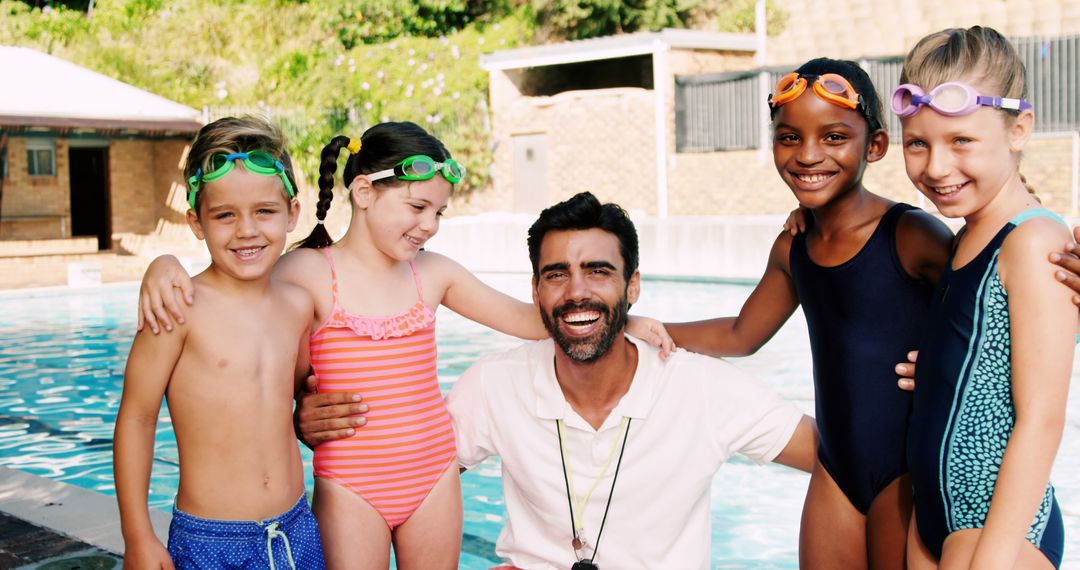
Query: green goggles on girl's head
[256, 162]
[422, 167]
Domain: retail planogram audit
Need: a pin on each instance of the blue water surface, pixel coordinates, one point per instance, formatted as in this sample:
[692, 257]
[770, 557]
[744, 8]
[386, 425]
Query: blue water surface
[62, 355]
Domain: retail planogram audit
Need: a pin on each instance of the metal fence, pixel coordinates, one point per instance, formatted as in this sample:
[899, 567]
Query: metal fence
[723, 111]
[717, 112]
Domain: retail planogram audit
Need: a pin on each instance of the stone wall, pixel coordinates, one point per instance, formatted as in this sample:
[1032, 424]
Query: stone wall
[851, 29]
[602, 141]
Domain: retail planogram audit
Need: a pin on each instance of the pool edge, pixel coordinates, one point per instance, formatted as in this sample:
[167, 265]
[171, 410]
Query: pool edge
[67, 509]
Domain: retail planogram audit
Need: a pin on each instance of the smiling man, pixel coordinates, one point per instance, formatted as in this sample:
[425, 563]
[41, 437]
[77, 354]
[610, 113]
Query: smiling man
[608, 451]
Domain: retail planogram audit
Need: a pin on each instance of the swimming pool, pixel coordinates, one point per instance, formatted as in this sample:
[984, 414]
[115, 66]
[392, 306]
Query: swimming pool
[62, 355]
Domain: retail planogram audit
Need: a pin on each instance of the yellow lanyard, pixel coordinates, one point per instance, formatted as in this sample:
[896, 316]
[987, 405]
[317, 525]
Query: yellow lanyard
[577, 510]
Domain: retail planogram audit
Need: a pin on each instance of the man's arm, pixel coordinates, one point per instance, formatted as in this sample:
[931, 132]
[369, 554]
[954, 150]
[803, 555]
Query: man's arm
[326, 417]
[801, 450]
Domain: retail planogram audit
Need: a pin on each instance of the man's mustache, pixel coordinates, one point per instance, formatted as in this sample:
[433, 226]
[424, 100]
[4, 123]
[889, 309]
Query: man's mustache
[582, 306]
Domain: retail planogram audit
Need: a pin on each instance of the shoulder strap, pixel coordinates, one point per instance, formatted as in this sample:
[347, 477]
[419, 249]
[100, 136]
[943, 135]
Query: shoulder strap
[891, 219]
[416, 278]
[1037, 213]
[333, 273]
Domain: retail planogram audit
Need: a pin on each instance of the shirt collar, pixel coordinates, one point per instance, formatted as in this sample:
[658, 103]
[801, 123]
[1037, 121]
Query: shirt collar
[636, 403]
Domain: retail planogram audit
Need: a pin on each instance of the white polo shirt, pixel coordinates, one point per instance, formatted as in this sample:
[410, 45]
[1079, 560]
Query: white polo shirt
[688, 415]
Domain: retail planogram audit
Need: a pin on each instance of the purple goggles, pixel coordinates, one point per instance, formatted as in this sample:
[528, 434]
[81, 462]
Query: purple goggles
[951, 99]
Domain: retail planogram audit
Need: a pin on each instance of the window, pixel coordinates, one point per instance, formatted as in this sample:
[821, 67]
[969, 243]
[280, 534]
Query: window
[40, 158]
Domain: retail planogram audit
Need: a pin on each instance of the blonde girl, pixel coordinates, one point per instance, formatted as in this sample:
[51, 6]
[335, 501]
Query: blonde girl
[996, 356]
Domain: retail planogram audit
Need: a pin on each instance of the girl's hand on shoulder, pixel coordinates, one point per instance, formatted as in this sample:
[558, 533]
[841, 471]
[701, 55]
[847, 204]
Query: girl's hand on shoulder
[653, 332]
[795, 223]
[159, 298]
[147, 554]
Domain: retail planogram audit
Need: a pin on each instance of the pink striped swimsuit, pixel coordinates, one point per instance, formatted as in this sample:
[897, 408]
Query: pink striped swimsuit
[394, 460]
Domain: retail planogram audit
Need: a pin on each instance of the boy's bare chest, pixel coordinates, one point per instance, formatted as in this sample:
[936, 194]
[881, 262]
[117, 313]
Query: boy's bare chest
[244, 347]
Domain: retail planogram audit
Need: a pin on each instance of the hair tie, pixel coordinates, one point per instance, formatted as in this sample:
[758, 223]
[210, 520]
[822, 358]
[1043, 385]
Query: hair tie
[354, 145]
[320, 222]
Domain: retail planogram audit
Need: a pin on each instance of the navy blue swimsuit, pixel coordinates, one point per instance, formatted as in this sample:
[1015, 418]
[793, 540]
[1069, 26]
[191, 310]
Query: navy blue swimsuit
[964, 414]
[863, 316]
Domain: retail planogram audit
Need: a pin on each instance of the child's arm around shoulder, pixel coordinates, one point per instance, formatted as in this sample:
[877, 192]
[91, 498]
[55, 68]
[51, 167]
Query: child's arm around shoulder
[149, 368]
[1042, 322]
[764, 312]
[923, 244]
[467, 295]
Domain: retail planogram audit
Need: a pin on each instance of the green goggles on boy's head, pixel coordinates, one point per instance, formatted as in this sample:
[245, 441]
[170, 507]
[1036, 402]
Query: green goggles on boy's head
[422, 167]
[256, 162]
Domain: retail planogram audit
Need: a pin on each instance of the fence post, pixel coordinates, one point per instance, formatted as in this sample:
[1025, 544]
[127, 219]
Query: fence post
[761, 32]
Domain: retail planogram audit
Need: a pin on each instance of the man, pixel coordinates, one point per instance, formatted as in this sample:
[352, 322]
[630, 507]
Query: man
[593, 423]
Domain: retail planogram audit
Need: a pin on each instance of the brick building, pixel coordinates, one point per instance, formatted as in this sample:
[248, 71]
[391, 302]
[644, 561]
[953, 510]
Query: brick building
[88, 164]
[86, 160]
[592, 115]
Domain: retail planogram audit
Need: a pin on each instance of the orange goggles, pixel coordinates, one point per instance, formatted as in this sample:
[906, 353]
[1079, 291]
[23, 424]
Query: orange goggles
[831, 87]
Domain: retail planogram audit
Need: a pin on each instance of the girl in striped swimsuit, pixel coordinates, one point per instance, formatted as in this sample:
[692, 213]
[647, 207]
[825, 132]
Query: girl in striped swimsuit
[394, 481]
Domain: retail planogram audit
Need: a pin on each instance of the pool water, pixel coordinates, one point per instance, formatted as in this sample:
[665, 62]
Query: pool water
[62, 355]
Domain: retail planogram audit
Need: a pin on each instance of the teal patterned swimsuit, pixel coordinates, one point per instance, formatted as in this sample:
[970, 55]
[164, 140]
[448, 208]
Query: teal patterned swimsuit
[963, 412]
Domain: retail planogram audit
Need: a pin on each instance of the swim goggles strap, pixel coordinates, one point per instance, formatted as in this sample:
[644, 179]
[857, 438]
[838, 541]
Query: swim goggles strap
[272, 532]
[952, 99]
[354, 145]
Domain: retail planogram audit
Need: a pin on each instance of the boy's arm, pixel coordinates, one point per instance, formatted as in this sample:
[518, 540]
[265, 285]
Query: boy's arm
[764, 312]
[1042, 320]
[149, 367]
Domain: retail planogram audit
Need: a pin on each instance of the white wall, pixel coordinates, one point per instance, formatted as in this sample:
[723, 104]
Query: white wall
[716, 247]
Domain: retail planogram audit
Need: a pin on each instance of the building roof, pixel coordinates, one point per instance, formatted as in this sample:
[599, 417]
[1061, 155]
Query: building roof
[42, 91]
[623, 45]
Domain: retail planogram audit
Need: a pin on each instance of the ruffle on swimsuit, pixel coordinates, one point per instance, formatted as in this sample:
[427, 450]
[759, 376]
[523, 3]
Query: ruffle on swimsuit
[418, 317]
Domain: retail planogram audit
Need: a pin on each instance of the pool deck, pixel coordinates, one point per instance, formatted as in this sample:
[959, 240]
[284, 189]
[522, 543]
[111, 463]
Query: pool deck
[44, 521]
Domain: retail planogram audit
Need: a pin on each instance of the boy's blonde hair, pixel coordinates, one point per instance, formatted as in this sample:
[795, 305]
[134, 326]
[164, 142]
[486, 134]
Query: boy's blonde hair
[236, 134]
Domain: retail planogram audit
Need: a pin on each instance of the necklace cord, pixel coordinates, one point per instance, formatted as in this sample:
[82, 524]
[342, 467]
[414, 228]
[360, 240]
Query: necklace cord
[611, 493]
[614, 478]
[566, 478]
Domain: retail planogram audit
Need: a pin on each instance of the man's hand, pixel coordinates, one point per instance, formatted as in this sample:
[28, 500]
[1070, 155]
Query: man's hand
[906, 371]
[326, 417]
[1069, 260]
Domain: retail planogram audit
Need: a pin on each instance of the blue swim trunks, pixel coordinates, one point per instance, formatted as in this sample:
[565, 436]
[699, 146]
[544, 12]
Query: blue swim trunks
[289, 541]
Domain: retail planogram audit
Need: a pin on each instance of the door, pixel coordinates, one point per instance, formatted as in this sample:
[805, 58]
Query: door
[530, 173]
[90, 212]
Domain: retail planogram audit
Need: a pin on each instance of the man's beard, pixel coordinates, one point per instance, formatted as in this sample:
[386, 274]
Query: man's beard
[592, 347]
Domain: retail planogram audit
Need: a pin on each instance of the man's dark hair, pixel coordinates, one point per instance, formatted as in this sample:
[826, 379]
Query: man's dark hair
[585, 212]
